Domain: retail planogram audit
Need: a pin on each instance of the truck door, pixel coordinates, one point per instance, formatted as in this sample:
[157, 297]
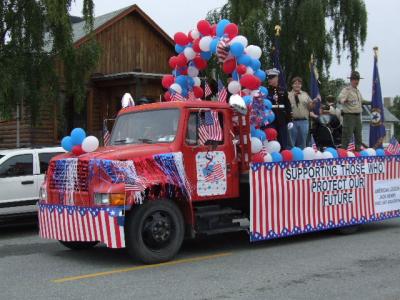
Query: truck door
[211, 169]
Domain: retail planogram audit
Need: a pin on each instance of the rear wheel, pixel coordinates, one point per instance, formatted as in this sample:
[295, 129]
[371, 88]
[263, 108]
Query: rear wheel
[78, 245]
[155, 231]
[348, 229]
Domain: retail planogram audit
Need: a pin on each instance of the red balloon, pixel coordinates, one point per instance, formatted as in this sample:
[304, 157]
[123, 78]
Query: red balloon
[183, 70]
[204, 27]
[181, 39]
[77, 150]
[213, 30]
[257, 158]
[241, 69]
[200, 63]
[181, 60]
[250, 81]
[229, 66]
[357, 154]
[198, 92]
[172, 62]
[190, 36]
[231, 30]
[342, 152]
[195, 46]
[167, 96]
[287, 155]
[271, 134]
[167, 80]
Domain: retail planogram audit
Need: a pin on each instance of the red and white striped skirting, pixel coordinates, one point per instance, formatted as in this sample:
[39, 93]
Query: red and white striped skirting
[282, 206]
[83, 224]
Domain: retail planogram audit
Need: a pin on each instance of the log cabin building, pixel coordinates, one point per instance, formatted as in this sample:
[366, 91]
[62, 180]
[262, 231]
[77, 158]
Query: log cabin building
[134, 57]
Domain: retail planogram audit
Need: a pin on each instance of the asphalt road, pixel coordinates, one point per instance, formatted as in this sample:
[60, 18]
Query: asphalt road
[365, 265]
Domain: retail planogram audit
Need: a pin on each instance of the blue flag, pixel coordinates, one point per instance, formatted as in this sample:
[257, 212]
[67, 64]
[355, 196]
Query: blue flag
[314, 89]
[377, 128]
[277, 64]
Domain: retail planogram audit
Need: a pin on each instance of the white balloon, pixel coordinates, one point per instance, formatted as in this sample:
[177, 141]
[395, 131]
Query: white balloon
[246, 92]
[189, 53]
[371, 151]
[255, 93]
[90, 143]
[205, 42]
[253, 51]
[238, 104]
[265, 144]
[350, 154]
[308, 153]
[318, 155]
[127, 100]
[249, 70]
[176, 87]
[327, 154]
[273, 146]
[197, 81]
[239, 39]
[256, 145]
[192, 71]
[195, 34]
[267, 157]
[234, 87]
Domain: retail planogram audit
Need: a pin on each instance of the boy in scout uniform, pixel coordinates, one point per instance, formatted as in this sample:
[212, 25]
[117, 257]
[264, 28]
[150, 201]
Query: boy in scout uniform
[352, 101]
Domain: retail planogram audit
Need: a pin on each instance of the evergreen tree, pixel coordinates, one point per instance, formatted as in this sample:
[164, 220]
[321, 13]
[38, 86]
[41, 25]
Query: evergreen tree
[309, 27]
[36, 40]
[395, 110]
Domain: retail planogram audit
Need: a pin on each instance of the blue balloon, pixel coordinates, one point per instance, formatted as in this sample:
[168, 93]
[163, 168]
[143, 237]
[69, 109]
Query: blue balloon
[297, 153]
[77, 136]
[267, 104]
[179, 48]
[190, 81]
[221, 27]
[248, 100]
[380, 152]
[206, 55]
[176, 73]
[364, 153]
[271, 117]
[276, 156]
[255, 64]
[252, 130]
[244, 59]
[182, 81]
[263, 90]
[260, 135]
[185, 92]
[213, 45]
[332, 151]
[66, 143]
[235, 75]
[237, 49]
[260, 74]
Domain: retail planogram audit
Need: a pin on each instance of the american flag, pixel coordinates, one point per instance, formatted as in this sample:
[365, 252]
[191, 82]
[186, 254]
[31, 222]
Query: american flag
[177, 97]
[210, 129]
[222, 93]
[222, 50]
[135, 187]
[394, 146]
[351, 146]
[207, 89]
[214, 172]
[106, 134]
[191, 97]
[313, 144]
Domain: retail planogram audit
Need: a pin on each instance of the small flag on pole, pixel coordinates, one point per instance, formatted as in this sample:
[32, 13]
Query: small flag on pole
[191, 97]
[351, 146]
[106, 134]
[207, 89]
[222, 50]
[177, 97]
[314, 88]
[210, 129]
[222, 93]
[394, 146]
[313, 144]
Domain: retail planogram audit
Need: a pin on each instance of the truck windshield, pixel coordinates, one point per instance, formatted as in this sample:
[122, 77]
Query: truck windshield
[152, 126]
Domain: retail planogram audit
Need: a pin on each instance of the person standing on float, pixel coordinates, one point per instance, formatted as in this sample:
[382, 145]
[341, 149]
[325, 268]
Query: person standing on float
[281, 108]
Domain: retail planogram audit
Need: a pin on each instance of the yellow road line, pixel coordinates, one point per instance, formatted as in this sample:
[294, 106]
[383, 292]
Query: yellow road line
[137, 268]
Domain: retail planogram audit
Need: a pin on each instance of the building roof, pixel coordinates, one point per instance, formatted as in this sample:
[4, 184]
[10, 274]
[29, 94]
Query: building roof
[389, 117]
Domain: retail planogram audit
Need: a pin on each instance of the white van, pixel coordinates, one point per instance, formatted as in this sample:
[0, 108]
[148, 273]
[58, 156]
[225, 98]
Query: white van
[21, 175]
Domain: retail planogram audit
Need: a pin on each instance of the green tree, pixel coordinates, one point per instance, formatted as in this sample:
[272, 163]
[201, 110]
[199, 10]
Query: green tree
[35, 37]
[309, 27]
[331, 87]
[395, 109]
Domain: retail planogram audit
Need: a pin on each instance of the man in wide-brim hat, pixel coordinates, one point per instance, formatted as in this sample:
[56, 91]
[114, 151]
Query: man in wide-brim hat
[352, 101]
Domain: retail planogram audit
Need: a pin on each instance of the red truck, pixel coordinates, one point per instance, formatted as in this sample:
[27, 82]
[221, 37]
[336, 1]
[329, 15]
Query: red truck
[156, 184]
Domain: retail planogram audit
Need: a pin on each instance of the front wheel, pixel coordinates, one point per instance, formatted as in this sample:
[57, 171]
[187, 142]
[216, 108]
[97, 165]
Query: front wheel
[78, 245]
[155, 231]
[348, 230]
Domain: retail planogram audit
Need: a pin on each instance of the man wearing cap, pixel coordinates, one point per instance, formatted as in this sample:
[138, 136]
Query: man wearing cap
[281, 108]
[352, 101]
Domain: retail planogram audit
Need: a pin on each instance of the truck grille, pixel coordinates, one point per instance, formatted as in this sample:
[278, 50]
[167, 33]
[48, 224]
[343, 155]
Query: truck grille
[62, 177]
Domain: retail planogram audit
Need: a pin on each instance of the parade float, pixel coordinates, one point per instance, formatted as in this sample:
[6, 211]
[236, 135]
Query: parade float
[186, 167]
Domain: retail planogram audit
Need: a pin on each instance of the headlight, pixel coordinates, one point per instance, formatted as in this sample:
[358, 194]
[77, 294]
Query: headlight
[42, 193]
[102, 199]
[115, 199]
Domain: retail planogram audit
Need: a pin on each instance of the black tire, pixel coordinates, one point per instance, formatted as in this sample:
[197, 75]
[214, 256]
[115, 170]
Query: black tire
[78, 245]
[155, 231]
[348, 230]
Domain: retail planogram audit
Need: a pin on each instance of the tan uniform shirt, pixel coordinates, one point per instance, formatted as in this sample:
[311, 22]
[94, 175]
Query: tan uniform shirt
[354, 103]
[300, 110]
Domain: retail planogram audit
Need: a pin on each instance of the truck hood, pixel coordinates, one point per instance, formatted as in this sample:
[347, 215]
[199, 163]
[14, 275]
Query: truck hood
[125, 152]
